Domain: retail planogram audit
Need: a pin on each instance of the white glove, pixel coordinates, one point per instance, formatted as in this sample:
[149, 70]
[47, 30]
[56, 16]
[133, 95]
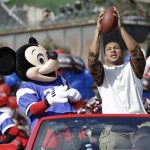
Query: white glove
[61, 91]
[58, 95]
[55, 99]
[74, 95]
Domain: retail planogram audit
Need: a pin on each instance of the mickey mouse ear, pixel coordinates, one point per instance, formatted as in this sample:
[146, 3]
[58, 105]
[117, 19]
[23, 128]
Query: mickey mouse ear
[7, 61]
[33, 40]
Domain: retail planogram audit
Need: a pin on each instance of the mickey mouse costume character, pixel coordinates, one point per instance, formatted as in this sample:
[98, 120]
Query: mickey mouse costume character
[43, 92]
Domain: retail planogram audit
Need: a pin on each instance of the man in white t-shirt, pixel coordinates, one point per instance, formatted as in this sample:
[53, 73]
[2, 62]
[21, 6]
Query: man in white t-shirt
[119, 84]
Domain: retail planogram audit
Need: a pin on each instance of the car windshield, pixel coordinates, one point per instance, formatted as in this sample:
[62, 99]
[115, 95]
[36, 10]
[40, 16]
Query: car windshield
[94, 133]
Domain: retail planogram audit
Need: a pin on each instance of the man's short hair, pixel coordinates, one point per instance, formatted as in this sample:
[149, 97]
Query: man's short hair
[111, 41]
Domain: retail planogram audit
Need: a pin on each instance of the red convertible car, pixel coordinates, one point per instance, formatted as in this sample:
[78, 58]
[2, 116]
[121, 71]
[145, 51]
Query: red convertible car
[91, 132]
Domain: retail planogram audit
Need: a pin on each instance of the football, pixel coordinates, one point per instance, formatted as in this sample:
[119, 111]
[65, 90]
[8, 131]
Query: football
[109, 21]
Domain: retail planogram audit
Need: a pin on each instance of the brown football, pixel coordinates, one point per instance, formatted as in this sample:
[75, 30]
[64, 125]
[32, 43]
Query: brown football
[109, 21]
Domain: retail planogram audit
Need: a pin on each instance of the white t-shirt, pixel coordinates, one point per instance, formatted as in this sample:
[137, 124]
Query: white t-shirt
[121, 91]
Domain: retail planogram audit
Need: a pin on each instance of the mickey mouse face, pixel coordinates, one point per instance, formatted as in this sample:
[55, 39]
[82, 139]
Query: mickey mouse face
[31, 62]
[44, 66]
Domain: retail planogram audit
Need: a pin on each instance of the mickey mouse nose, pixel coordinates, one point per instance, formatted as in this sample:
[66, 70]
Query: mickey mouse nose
[53, 55]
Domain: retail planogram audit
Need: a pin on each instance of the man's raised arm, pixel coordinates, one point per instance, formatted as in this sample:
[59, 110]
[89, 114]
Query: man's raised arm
[95, 66]
[137, 58]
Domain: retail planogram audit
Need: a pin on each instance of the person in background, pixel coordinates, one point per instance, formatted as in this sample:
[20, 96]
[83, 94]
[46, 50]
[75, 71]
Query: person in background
[48, 17]
[8, 129]
[119, 84]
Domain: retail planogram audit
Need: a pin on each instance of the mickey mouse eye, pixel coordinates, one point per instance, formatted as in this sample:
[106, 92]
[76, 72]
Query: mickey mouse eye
[40, 59]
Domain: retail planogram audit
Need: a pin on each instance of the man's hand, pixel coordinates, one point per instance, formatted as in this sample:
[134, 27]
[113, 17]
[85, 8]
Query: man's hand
[100, 17]
[119, 18]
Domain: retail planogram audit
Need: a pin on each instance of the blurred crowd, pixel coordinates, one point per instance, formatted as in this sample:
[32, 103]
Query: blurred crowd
[80, 11]
[24, 16]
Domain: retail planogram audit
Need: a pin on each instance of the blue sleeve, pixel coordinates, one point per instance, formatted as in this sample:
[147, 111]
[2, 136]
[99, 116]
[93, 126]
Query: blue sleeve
[26, 96]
